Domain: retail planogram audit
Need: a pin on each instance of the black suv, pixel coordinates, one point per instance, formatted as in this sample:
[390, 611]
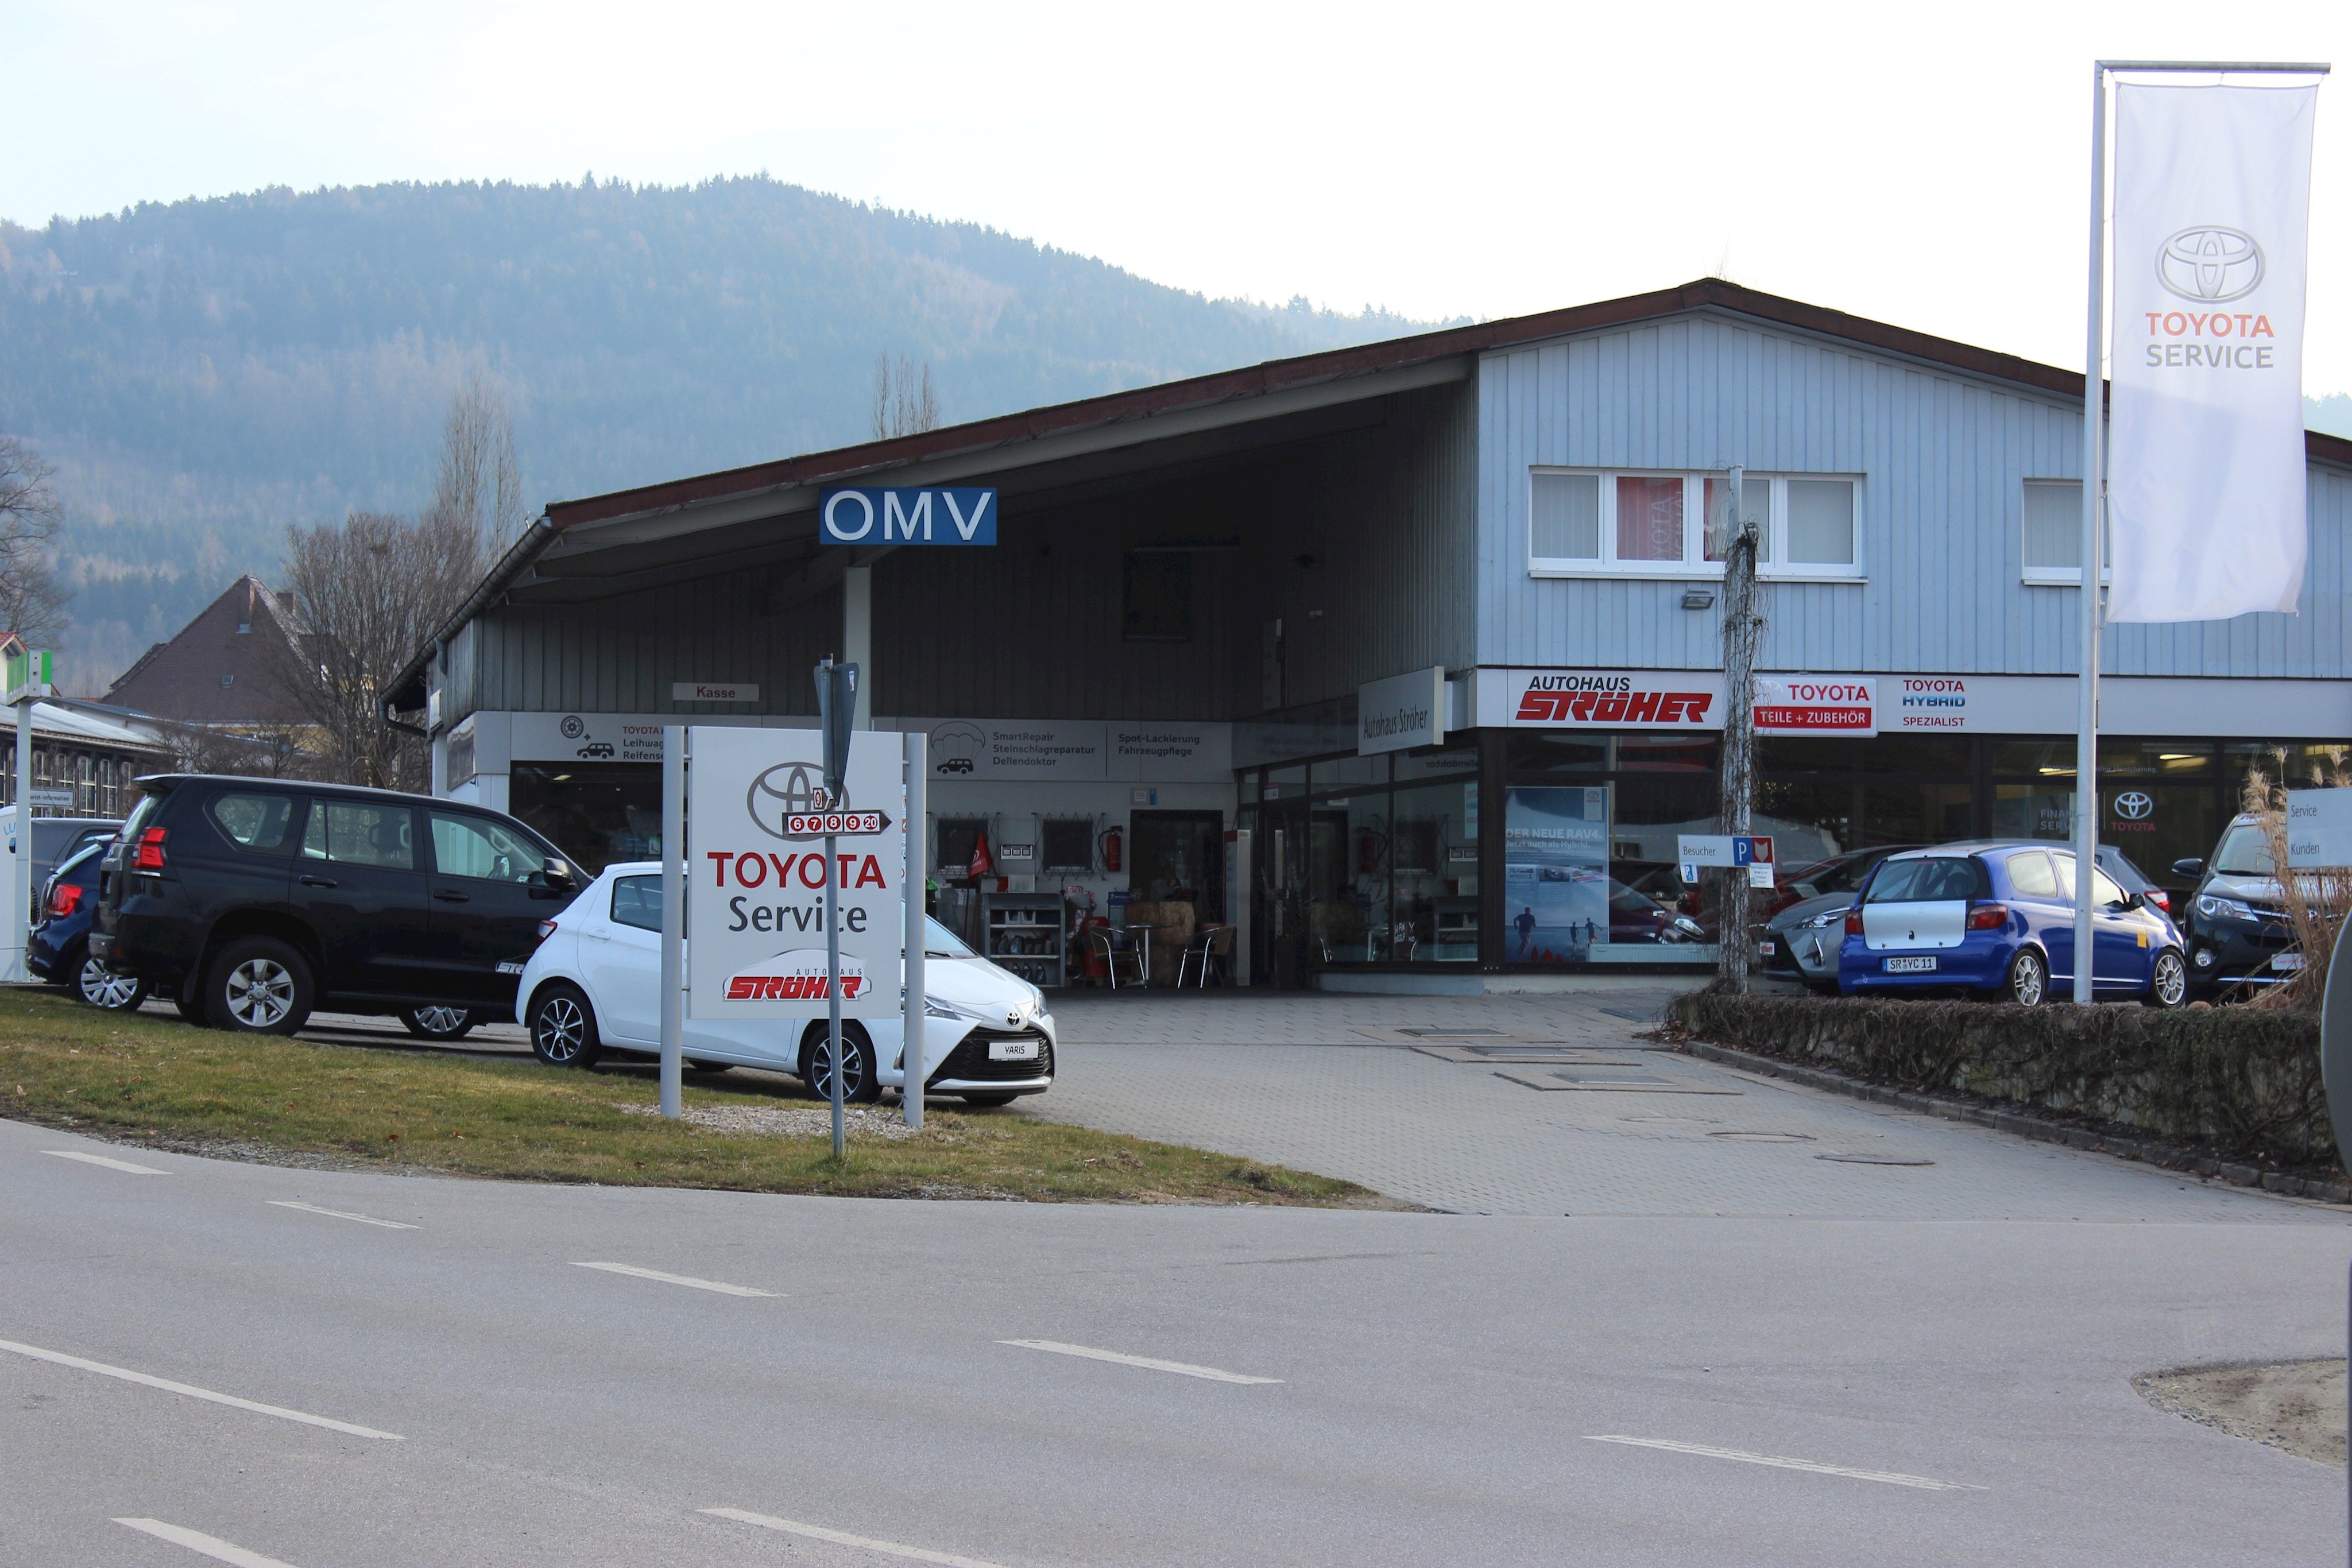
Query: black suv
[250, 901]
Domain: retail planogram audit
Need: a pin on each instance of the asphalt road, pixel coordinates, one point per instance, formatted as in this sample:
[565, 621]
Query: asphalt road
[1441, 1380]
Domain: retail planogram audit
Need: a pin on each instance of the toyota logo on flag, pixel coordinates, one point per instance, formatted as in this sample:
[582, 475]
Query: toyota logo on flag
[2135, 805]
[2209, 264]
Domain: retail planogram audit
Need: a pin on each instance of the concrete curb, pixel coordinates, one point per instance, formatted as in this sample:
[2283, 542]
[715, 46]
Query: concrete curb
[2147, 1151]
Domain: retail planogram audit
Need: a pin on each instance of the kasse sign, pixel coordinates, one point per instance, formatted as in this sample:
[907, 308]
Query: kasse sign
[879, 517]
[756, 872]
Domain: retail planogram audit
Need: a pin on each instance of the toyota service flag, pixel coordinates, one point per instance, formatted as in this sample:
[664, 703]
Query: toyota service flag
[2206, 480]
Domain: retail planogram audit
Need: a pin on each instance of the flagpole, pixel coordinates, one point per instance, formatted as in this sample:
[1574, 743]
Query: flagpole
[2086, 727]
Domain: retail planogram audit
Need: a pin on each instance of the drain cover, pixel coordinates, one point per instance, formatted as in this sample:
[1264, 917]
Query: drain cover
[1766, 1137]
[1873, 1160]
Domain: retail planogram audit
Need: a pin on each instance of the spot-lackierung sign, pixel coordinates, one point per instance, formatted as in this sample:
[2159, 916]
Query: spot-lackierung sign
[757, 869]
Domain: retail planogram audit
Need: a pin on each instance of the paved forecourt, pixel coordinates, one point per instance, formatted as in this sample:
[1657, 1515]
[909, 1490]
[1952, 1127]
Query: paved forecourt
[538, 1375]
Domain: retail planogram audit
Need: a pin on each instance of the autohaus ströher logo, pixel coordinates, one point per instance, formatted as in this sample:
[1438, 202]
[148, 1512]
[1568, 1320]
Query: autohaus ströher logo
[788, 801]
[2209, 264]
[2134, 806]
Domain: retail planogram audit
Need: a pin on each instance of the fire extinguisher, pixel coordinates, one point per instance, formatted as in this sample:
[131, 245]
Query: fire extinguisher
[1110, 849]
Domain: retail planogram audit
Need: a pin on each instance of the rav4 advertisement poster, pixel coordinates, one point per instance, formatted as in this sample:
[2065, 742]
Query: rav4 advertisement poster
[1555, 875]
[756, 869]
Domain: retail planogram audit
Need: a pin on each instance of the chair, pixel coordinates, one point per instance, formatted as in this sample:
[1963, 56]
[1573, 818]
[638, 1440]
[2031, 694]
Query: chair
[1210, 944]
[1133, 946]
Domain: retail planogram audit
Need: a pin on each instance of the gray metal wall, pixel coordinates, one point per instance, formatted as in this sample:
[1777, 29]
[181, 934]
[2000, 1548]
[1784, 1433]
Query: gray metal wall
[1943, 457]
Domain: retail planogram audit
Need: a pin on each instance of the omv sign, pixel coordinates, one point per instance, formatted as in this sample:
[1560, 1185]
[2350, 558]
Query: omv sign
[879, 517]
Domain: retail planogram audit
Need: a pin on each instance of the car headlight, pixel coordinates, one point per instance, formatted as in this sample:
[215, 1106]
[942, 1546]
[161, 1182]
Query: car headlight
[1825, 919]
[2213, 906]
[1690, 930]
[935, 1009]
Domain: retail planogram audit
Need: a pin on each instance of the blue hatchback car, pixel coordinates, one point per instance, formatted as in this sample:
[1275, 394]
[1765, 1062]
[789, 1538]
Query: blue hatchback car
[1998, 918]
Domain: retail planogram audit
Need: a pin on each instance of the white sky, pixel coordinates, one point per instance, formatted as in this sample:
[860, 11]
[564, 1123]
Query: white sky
[1923, 165]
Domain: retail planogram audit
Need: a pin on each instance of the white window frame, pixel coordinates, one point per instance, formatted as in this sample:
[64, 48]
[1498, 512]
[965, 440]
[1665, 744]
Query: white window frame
[2062, 575]
[1772, 562]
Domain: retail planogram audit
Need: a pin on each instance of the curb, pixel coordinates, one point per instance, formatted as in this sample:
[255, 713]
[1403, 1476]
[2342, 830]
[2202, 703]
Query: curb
[2145, 1150]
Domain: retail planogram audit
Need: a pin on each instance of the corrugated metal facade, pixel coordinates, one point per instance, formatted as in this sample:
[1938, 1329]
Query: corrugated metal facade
[1943, 458]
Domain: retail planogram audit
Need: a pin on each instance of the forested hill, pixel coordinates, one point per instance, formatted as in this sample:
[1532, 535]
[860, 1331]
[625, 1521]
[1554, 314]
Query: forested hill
[204, 372]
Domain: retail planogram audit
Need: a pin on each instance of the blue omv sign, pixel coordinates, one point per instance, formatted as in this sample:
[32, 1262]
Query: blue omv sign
[880, 517]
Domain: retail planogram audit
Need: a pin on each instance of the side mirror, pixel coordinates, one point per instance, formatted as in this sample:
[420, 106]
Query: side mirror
[2193, 867]
[555, 879]
[2134, 900]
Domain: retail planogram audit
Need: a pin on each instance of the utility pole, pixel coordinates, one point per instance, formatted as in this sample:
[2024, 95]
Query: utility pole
[1741, 626]
[28, 676]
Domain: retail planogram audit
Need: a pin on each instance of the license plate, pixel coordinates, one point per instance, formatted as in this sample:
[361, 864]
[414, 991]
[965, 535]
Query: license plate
[1769, 949]
[2283, 961]
[1910, 966]
[1012, 1050]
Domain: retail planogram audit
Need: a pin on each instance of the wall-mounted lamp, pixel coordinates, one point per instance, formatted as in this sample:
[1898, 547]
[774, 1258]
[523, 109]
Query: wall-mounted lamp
[1698, 597]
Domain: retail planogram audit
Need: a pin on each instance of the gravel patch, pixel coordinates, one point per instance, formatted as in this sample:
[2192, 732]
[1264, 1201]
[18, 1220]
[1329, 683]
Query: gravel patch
[791, 1122]
[2297, 1405]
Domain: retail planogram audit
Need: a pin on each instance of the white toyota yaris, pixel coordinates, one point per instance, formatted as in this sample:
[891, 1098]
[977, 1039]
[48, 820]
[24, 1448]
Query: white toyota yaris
[593, 986]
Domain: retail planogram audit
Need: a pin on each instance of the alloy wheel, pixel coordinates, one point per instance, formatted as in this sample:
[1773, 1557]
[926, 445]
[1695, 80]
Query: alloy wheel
[559, 1028]
[2027, 980]
[259, 994]
[103, 988]
[820, 1069]
[440, 1020]
[2169, 984]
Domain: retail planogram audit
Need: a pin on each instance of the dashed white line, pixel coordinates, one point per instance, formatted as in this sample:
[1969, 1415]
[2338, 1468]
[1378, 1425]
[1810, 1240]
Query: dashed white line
[1184, 1368]
[842, 1537]
[688, 1281]
[337, 1214]
[167, 1386]
[210, 1546]
[123, 1165]
[1886, 1478]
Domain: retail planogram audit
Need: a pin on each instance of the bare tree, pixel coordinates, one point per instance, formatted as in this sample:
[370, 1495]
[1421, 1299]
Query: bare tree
[480, 482]
[370, 590]
[32, 603]
[903, 400]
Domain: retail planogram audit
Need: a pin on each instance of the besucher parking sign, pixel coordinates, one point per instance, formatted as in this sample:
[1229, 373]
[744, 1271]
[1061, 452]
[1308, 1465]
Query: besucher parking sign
[756, 873]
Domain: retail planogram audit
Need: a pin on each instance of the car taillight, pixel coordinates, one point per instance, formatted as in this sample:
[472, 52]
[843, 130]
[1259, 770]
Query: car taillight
[149, 855]
[2160, 898]
[1854, 922]
[64, 900]
[1987, 916]
[546, 929]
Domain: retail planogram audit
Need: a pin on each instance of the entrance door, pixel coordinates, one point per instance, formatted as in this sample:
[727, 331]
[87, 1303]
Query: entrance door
[1302, 892]
[1181, 855]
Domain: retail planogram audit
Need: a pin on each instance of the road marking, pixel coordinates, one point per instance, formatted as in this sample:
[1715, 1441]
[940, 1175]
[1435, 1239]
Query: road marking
[1186, 1368]
[1888, 1477]
[842, 1537]
[687, 1279]
[210, 1546]
[124, 1165]
[168, 1386]
[337, 1214]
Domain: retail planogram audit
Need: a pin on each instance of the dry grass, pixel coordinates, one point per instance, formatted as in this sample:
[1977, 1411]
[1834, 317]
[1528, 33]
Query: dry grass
[147, 1080]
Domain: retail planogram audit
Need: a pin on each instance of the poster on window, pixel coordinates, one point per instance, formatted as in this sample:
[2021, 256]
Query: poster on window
[1555, 875]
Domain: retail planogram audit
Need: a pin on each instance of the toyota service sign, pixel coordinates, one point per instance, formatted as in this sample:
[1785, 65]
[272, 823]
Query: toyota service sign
[756, 870]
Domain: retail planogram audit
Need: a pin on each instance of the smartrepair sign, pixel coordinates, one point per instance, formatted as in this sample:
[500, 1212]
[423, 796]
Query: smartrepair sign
[882, 517]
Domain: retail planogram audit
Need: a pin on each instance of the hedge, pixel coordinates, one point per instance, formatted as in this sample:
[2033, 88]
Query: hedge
[2244, 1081]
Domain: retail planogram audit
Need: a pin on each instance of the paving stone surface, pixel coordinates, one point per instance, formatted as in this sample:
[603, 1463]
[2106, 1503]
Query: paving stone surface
[1325, 1083]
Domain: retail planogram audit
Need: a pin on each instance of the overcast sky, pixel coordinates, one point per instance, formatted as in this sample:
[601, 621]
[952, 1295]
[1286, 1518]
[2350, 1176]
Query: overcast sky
[1926, 166]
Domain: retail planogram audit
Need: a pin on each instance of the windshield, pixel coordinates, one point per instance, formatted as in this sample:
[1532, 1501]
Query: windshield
[2245, 852]
[942, 942]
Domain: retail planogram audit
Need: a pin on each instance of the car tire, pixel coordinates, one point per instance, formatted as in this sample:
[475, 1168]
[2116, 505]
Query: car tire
[440, 1023]
[990, 1102]
[259, 985]
[564, 1026]
[2168, 981]
[2028, 981]
[104, 989]
[861, 1084]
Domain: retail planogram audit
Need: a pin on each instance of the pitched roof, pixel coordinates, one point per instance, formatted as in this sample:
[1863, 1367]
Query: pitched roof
[218, 669]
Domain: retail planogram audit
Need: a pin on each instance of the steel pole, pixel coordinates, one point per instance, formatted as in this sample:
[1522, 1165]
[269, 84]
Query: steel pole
[833, 977]
[2086, 727]
[20, 871]
[913, 1065]
[673, 947]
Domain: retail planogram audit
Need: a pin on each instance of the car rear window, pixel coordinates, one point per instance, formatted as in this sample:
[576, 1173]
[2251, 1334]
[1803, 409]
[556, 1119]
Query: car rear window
[263, 823]
[1927, 881]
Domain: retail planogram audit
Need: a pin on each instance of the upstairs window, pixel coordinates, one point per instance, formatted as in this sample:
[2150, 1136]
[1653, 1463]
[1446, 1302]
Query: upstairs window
[2053, 533]
[1604, 522]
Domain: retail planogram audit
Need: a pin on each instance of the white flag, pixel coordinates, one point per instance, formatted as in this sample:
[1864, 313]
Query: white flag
[2206, 476]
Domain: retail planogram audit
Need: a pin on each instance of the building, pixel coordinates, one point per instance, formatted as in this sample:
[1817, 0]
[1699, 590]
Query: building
[83, 761]
[1213, 602]
[224, 668]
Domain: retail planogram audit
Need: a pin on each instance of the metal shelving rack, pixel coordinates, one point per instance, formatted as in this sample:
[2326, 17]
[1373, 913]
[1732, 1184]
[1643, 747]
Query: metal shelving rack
[1024, 932]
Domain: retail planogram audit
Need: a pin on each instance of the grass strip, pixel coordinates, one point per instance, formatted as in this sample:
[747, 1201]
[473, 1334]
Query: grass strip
[151, 1080]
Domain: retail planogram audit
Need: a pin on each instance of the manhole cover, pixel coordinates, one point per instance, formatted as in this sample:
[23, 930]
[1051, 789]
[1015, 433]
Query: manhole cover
[1873, 1160]
[1456, 1033]
[1766, 1137]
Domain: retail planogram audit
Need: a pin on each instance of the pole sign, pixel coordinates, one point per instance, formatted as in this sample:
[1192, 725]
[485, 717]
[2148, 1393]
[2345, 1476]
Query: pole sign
[756, 883]
[2319, 829]
[1730, 851]
[862, 516]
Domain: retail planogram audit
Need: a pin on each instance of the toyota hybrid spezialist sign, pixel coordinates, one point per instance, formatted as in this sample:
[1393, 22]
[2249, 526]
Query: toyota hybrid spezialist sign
[757, 818]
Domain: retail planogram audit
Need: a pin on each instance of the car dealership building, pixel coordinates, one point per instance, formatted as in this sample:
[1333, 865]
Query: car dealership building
[1406, 659]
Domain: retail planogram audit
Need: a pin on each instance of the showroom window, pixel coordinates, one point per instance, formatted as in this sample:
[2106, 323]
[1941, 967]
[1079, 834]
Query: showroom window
[2053, 533]
[1596, 523]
